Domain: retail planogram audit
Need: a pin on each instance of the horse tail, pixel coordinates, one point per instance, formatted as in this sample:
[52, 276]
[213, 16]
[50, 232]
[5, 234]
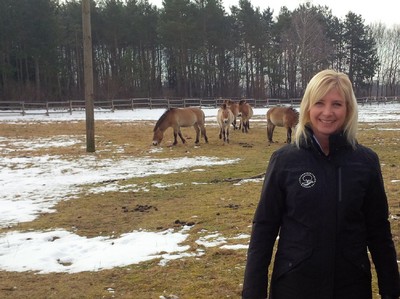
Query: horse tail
[297, 115]
[203, 127]
[269, 114]
[203, 116]
[294, 110]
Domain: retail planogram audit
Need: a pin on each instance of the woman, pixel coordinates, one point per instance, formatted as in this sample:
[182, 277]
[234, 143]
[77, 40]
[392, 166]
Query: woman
[326, 199]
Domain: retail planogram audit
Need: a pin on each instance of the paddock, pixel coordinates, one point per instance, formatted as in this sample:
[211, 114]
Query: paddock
[207, 192]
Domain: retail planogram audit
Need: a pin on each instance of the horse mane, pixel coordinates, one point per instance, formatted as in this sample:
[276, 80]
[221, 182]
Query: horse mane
[229, 102]
[161, 119]
[294, 110]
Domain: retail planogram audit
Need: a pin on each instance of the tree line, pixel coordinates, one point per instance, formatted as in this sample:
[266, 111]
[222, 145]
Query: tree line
[188, 49]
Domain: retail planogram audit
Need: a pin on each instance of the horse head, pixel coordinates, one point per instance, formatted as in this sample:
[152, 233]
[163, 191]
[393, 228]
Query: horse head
[158, 136]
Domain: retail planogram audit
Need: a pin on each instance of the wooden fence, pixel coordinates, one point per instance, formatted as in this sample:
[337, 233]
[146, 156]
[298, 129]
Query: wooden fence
[48, 108]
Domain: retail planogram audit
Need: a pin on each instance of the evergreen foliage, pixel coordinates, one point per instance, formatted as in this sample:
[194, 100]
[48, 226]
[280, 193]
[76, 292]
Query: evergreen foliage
[185, 49]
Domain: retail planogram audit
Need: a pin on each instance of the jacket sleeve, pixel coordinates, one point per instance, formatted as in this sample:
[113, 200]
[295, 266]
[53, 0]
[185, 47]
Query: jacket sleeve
[380, 242]
[265, 229]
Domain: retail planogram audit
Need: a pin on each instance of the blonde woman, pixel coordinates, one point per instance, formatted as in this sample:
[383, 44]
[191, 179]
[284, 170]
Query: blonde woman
[324, 196]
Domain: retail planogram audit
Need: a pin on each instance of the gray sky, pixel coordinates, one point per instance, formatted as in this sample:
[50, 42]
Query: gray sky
[385, 11]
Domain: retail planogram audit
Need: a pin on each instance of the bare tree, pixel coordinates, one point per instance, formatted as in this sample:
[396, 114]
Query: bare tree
[311, 40]
[388, 51]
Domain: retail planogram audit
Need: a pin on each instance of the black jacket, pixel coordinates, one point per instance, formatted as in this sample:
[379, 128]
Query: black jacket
[327, 210]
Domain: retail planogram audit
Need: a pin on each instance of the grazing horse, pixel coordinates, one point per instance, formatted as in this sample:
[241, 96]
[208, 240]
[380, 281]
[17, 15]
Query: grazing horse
[235, 110]
[245, 112]
[287, 117]
[177, 118]
[224, 119]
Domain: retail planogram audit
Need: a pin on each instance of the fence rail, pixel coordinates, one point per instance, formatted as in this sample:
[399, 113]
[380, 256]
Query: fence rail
[46, 108]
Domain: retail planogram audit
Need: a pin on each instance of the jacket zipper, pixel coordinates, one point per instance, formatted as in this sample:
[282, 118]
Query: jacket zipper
[340, 183]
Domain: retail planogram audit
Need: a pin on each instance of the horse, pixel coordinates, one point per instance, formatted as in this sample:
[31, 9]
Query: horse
[177, 118]
[234, 107]
[245, 112]
[287, 117]
[224, 118]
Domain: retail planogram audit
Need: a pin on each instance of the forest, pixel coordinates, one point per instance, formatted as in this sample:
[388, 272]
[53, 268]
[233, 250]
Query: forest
[188, 49]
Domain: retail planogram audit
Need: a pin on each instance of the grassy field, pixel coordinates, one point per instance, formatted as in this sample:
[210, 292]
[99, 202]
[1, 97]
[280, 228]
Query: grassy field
[218, 206]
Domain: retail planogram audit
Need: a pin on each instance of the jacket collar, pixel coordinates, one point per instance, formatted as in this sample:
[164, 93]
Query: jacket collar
[336, 141]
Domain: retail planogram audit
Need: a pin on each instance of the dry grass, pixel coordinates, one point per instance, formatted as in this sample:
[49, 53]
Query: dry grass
[217, 205]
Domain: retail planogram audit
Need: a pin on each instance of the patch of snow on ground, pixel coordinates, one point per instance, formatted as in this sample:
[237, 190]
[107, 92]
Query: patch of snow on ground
[33, 185]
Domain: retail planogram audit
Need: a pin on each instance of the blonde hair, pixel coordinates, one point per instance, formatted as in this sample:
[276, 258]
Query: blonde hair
[322, 83]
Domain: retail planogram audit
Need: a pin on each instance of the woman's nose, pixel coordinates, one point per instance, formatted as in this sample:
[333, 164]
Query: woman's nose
[327, 110]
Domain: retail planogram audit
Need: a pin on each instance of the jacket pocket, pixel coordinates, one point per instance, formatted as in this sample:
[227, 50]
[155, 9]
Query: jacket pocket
[288, 262]
[358, 257]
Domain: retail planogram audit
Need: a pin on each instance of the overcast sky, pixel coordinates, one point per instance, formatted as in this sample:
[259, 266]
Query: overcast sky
[385, 11]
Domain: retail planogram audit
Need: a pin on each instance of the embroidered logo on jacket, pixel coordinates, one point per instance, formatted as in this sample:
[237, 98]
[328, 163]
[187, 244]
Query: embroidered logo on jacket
[307, 180]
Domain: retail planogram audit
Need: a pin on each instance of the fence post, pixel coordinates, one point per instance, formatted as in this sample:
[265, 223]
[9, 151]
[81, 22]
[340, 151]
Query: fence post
[47, 108]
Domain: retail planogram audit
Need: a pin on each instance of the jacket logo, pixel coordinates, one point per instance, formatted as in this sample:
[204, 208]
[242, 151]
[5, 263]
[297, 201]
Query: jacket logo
[307, 180]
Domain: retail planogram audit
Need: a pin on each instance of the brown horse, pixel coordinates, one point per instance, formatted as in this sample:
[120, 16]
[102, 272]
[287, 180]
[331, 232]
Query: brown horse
[245, 112]
[287, 117]
[177, 118]
[224, 118]
[235, 110]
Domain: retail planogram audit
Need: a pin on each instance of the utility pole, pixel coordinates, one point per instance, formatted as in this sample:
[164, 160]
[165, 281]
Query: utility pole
[88, 75]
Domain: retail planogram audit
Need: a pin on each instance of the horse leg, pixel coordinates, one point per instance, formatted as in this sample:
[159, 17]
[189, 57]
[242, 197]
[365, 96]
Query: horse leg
[234, 123]
[289, 135]
[204, 133]
[270, 131]
[269, 137]
[180, 135]
[175, 137]
[197, 129]
[220, 133]
[245, 126]
[177, 132]
[227, 134]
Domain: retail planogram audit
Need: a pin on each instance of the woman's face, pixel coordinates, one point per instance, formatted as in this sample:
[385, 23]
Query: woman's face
[328, 114]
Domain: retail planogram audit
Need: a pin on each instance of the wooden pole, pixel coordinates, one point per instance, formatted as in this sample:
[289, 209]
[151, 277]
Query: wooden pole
[88, 75]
